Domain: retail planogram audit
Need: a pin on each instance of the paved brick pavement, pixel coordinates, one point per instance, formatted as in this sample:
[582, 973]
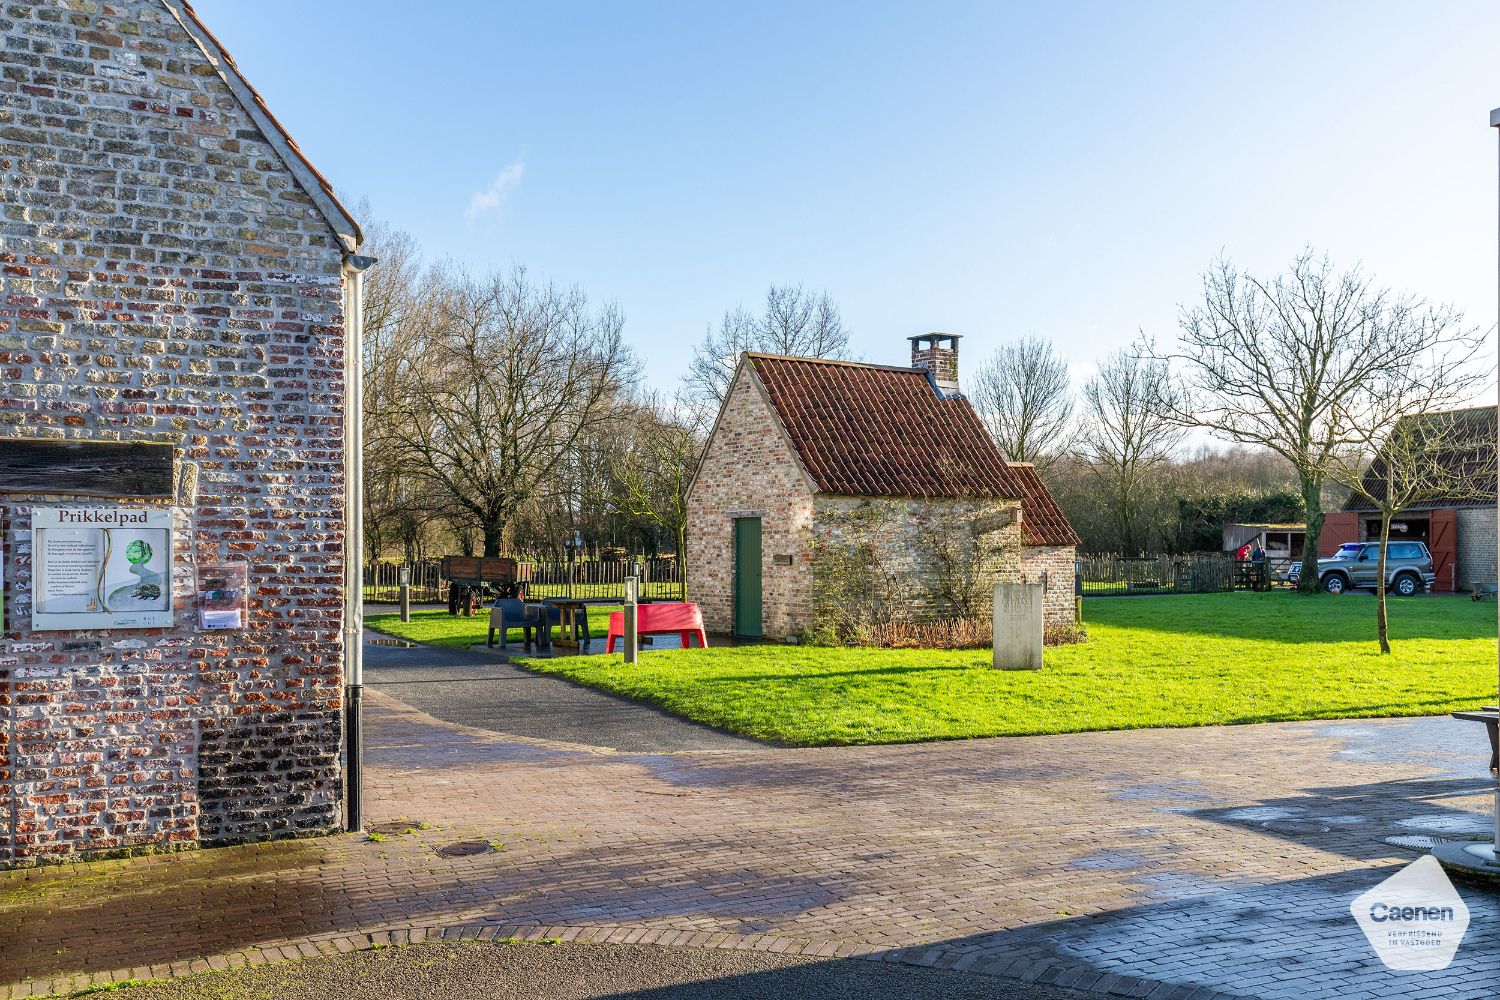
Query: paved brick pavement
[1201, 862]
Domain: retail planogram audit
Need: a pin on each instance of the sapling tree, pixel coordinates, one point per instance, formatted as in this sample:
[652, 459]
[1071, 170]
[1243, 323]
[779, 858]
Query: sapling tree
[1421, 458]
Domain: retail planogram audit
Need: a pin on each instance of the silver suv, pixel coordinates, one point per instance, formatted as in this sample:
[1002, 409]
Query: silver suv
[1408, 568]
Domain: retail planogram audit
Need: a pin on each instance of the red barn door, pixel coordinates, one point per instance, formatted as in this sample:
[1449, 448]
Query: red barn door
[1339, 527]
[1442, 539]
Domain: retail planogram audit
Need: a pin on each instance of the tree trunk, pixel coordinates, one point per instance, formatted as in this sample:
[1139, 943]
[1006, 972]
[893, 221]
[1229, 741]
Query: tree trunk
[1380, 618]
[494, 531]
[681, 541]
[1312, 500]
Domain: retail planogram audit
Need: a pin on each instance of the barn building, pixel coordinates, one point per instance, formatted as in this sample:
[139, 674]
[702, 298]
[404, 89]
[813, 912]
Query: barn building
[1459, 529]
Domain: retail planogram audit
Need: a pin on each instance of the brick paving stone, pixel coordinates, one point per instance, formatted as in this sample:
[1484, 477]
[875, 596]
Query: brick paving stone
[1134, 863]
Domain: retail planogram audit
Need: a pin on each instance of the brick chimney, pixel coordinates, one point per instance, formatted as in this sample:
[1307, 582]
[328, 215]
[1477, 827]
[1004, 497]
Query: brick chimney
[937, 354]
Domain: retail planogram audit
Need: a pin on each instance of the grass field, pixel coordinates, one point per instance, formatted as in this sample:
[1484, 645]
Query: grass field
[438, 628]
[1161, 661]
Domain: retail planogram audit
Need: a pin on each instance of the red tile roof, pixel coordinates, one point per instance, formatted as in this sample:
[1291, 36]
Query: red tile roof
[1044, 521]
[871, 430]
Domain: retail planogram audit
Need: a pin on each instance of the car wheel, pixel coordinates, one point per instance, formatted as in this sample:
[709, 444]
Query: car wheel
[1334, 583]
[1406, 585]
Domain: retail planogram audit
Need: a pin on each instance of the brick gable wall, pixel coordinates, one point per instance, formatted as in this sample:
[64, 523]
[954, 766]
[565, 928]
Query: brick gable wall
[748, 466]
[163, 278]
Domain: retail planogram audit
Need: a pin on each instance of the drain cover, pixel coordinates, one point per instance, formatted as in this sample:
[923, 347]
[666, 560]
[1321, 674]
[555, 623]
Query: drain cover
[1417, 842]
[400, 643]
[1295, 827]
[395, 829]
[1455, 822]
[463, 849]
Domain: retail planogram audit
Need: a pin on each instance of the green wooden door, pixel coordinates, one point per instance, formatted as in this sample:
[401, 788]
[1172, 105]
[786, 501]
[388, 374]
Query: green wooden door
[747, 576]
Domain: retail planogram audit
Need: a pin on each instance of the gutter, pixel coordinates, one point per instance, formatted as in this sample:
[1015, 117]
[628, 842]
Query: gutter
[354, 535]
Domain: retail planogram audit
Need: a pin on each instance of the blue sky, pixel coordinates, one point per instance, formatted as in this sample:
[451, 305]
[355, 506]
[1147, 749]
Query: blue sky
[989, 169]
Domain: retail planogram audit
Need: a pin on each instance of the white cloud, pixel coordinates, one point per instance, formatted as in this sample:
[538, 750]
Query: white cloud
[492, 198]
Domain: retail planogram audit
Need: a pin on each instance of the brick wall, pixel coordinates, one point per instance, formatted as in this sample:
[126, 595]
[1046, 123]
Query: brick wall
[163, 278]
[750, 467]
[1476, 547]
[905, 542]
[1057, 563]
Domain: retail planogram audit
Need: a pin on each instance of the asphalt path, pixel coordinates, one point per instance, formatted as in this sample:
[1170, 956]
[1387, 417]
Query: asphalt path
[484, 691]
[482, 971]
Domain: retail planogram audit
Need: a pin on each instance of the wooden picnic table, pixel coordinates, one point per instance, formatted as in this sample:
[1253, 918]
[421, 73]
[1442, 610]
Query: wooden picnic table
[574, 619]
[1490, 716]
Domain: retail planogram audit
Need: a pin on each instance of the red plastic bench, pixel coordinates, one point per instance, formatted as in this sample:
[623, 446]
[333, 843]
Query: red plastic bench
[660, 619]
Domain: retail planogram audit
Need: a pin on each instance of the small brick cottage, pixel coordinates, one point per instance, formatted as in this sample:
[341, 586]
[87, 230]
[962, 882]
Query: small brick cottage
[800, 443]
[173, 276]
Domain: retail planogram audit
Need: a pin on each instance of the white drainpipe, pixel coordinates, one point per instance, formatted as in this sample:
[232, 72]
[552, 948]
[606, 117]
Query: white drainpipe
[1494, 854]
[354, 534]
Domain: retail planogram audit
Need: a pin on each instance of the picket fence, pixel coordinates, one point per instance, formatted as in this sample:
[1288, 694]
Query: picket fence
[660, 579]
[1199, 573]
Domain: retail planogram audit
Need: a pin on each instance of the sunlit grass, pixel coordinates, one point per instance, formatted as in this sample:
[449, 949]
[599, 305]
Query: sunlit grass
[1160, 661]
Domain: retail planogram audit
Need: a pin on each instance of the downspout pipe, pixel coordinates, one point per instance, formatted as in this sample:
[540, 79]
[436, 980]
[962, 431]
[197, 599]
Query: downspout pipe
[354, 536]
[1495, 847]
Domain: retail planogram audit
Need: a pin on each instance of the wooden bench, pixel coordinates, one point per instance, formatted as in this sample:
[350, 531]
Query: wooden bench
[660, 619]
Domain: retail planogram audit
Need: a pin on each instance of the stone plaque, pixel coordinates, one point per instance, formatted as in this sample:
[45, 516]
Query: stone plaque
[1018, 626]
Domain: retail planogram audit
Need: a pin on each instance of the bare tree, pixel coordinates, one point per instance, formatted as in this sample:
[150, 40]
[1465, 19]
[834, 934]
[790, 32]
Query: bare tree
[1414, 457]
[652, 467]
[393, 292]
[1126, 440]
[1021, 392]
[495, 381]
[1279, 363]
[796, 322]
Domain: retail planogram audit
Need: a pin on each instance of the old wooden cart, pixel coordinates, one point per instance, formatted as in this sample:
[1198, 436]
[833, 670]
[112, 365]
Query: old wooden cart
[471, 578]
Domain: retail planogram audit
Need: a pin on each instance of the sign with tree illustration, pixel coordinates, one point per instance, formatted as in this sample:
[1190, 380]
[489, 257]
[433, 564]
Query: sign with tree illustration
[101, 567]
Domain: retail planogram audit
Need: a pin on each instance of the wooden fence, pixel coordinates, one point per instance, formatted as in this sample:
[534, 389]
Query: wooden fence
[581, 580]
[1206, 573]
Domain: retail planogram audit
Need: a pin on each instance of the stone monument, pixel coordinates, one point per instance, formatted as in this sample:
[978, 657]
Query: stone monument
[1018, 626]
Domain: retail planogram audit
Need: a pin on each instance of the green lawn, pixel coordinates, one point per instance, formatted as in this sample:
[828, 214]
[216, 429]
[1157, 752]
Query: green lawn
[1160, 661]
[438, 628]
